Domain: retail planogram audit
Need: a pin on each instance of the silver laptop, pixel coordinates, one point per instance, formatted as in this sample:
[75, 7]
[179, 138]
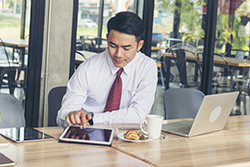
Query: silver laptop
[211, 116]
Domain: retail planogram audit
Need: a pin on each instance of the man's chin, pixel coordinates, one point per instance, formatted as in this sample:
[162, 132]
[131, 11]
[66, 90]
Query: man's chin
[120, 65]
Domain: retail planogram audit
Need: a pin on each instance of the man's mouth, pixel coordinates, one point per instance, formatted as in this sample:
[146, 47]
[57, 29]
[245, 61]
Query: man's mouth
[118, 60]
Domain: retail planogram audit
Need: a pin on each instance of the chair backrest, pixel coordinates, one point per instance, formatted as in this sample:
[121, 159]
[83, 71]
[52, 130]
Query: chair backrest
[12, 114]
[181, 65]
[182, 102]
[54, 103]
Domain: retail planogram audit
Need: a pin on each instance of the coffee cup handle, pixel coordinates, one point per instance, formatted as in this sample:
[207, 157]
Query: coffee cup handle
[141, 123]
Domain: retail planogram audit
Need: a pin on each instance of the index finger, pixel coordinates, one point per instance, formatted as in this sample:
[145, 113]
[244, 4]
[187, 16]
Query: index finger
[85, 119]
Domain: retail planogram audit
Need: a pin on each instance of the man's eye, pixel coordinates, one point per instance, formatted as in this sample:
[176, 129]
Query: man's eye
[112, 46]
[126, 49]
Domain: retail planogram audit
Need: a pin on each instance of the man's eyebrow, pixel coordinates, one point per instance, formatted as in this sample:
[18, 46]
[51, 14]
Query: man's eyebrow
[122, 45]
[125, 46]
[112, 43]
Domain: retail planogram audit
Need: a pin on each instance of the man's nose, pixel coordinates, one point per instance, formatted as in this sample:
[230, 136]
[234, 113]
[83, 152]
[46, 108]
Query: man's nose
[119, 52]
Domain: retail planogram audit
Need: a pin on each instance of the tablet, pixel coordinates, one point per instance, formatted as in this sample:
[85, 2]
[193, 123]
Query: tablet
[89, 135]
[22, 134]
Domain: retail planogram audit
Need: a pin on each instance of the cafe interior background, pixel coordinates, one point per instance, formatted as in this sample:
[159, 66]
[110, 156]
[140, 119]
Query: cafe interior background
[57, 30]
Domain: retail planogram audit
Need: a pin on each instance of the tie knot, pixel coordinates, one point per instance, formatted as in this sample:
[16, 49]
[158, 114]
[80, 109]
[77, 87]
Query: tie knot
[119, 72]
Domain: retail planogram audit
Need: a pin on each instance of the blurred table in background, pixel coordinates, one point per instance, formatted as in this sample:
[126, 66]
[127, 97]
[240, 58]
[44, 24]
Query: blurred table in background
[19, 44]
[82, 55]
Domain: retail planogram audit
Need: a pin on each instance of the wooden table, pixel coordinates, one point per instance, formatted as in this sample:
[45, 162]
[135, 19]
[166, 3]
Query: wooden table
[153, 48]
[51, 153]
[15, 43]
[20, 44]
[228, 147]
[218, 61]
[10, 69]
[87, 54]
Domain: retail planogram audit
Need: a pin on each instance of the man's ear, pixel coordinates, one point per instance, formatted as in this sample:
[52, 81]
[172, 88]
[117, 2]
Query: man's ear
[140, 44]
[107, 35]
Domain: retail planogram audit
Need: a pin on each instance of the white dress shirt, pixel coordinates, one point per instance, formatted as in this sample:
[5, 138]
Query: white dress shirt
[89, 87]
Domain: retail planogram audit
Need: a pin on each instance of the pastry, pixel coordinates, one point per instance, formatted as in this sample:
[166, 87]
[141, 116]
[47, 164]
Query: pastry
[132, 135]
[142, 136]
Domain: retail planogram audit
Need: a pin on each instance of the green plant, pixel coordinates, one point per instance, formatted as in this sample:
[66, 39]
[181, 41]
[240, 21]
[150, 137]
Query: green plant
[232, 26]
[190, 18]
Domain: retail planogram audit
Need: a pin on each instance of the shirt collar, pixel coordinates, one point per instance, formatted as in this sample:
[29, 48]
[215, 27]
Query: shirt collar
[126, 69]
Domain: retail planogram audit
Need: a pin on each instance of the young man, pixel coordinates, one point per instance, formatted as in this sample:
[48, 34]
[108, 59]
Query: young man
[89, 87]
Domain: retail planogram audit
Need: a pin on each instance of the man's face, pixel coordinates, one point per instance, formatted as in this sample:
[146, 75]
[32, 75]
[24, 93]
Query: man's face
[122, 47]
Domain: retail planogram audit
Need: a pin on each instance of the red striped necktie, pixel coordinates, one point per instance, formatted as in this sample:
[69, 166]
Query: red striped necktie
[114, 97]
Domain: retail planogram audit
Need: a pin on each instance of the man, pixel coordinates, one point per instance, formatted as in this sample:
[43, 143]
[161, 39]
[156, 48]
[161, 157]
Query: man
[89, 87]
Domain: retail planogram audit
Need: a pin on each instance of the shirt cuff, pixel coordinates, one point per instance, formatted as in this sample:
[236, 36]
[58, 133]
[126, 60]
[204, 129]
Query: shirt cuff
[98, 118]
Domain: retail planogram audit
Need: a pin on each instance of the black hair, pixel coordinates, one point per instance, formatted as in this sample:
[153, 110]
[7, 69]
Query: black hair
[128, 23]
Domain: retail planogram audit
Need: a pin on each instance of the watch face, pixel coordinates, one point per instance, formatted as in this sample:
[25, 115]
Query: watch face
[91, 122]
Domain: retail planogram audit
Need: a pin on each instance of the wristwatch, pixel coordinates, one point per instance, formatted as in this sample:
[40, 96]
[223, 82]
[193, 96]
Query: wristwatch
[91, 121]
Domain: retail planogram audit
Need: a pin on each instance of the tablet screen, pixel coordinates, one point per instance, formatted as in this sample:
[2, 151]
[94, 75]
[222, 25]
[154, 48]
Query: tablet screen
[89, 135]
[21, 134]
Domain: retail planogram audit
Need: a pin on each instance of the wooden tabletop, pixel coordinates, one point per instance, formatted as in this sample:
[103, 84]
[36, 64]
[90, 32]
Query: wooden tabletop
[87, 54]
[11, 42]
[228, 147]
[51, 153]
[218, 60]
[9, 65]
[153, 48]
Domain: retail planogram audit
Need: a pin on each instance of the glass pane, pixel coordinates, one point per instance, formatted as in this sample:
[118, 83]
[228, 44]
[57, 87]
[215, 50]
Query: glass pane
[232, 27]
[88, 18]
[88, 15]
[232, 42]
[111, 7]
[14, 28]
[178, 24]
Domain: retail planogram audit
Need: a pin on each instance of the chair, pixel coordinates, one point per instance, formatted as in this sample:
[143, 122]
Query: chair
[240, 80]
[175, 69]
[7, 67]
[220, 74]
[235, 74]
[94, 44]
[182, 102]
[54, 103]
[78, 62]
[179, 58]
[12, 114]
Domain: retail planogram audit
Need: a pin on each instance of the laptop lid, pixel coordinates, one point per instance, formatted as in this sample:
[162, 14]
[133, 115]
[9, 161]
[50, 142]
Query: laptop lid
[211, 116]
[213, 113]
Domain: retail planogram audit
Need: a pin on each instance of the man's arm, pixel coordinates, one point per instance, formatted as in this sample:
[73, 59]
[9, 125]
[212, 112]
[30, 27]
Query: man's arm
[71, 110]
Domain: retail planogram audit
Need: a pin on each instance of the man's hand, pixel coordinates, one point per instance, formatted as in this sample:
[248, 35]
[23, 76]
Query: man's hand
[78, 118]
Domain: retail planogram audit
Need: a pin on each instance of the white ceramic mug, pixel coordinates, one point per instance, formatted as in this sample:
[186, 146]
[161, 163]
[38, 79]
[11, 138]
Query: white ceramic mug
[153, 125]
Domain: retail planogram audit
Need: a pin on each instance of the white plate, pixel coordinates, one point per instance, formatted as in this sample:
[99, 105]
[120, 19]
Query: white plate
[121, 136]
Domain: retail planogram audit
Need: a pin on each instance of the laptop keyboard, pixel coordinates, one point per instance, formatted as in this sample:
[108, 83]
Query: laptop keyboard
[184, 130]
